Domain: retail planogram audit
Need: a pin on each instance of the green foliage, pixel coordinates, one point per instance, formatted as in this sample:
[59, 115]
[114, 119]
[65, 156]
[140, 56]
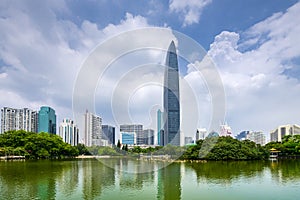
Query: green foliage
[119, 144]
[82, 150]
[33, 145]
[290, 145]
[225, 148]
[107, 151]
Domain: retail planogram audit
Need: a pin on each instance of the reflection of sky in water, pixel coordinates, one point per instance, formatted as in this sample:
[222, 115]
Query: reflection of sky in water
[90, 179]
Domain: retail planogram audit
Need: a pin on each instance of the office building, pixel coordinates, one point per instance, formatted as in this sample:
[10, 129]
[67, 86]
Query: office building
[69, 132]
[47, 120]
[188, 140]
[137, 129]
[256, 136]
[128, 138]
[225, 130]
[277, 134]
[149, 137]
[201, 134]
[171, 98]
[18, 119]
[109, 134]
[242, 135]
[92, 129]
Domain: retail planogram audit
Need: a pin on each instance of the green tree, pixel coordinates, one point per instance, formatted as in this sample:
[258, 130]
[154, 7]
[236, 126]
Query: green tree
[119, 144]
[33, 145]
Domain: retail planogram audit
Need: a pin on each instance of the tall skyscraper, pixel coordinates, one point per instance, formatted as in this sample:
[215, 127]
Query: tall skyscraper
[109, 133]
[136, 128]
[47, 120]
[171, 99]
[92, 129]
[69, 132]
[18, 119]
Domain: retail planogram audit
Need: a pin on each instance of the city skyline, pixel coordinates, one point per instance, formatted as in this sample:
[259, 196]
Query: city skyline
[253, 44]
[94, 133]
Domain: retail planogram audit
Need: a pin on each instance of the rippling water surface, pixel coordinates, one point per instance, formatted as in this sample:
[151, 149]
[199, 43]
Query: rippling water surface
[132, 179]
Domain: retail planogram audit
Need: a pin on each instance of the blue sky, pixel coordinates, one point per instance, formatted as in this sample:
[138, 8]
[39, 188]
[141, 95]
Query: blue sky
[254, 45]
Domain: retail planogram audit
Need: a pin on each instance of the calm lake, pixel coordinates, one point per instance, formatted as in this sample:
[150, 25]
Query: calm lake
[127, 179]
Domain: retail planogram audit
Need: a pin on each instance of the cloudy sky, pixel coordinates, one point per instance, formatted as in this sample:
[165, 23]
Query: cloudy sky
[254, 45]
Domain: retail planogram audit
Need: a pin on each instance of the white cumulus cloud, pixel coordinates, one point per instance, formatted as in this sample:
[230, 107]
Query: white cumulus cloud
[190, 10]
[253, 64]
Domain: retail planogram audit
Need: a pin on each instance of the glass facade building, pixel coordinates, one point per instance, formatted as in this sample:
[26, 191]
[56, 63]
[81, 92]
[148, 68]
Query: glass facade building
[171, 99]
[47, 120]
[137, 129]
[109, 133]
[128, 138]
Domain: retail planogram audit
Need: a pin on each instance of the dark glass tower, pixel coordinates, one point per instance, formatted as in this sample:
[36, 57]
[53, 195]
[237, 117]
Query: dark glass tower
[171, 99]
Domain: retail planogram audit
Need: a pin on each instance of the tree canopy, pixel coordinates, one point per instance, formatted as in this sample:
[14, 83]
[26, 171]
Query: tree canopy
[225, 148]
[35, 145]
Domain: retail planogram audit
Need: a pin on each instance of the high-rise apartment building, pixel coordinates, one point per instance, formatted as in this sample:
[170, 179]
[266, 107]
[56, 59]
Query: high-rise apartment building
[18, 119]
[92, 129]
[69, 132]
[108, 133]
[256, 136]
[277, 134]
[47, 120]
[134, 128]
[171, 98]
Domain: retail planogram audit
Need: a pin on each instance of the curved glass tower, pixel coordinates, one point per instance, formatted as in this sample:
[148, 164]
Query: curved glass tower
[171, 99]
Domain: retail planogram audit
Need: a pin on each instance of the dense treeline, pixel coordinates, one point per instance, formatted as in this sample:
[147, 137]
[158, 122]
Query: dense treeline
[225, 148]
[45, 145]
[34, 146]
[290, 145]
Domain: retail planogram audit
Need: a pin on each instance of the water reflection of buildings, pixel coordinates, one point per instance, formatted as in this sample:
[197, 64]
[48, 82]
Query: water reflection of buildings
[135, 174]
[169, 182]
[225, 173]
[96, 176]
[67, 183]
[27, 181]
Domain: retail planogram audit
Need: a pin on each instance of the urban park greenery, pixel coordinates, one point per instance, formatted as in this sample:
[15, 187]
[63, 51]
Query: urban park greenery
[290, 145]
[45, 145]
[35, 145]
[225, 148]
